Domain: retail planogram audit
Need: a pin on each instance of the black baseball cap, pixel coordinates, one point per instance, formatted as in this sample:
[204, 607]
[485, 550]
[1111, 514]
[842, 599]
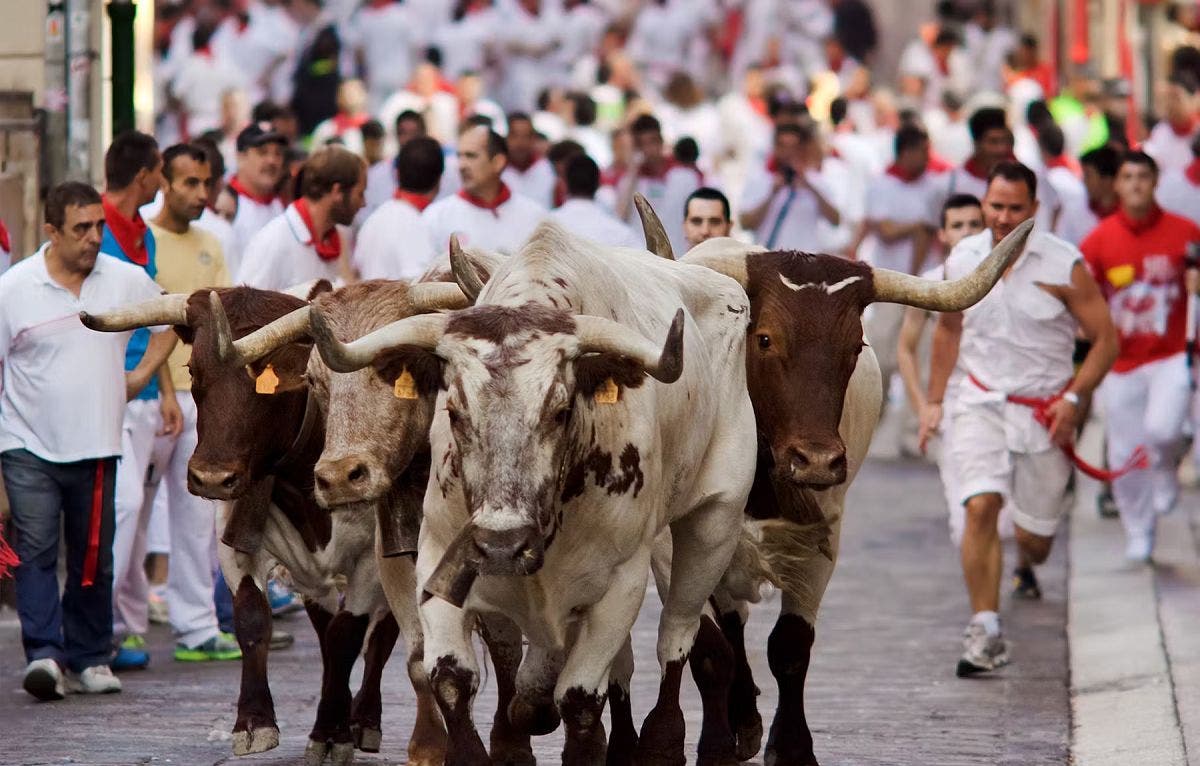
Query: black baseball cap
[257, 134]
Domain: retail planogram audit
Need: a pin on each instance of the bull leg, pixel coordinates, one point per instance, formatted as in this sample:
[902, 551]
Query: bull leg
[623, 742]
[702, 544]
[427, 744]
[532, 710]
[712, 661]
[744, 717]
[454, 676]
[509, 746]
[255, 730]
[366, 711]
[331, 732]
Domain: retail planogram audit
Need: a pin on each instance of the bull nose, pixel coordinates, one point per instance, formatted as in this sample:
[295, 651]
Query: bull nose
[215, 483]
[515, 551]
[817, 465]
[333, 474]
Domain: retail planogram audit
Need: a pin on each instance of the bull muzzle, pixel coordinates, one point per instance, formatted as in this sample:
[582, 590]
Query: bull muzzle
[216, 481]
[817, 465]
[346, 480]
[515, 551]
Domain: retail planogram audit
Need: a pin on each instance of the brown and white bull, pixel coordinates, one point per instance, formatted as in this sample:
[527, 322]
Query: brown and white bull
[555, 465]
[816, 391]
[260, 435]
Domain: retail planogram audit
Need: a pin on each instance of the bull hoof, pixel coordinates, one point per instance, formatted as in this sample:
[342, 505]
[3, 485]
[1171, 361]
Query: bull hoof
[533, 717]
[257, 741]
[725, 759]
[315, 752]
[513, 756]
[661, 741]
[367, 740]
[775, 758]
[341, 754]
[749, 738]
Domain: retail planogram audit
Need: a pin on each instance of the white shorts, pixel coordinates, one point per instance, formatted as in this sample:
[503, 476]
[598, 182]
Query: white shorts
[1033, 483]
[948, 472]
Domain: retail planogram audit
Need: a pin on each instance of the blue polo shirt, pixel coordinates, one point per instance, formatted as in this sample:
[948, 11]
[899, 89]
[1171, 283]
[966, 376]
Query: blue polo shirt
[137, 343]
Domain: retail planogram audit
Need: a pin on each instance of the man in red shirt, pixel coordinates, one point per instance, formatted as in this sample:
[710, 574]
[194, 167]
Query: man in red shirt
[1138, 257]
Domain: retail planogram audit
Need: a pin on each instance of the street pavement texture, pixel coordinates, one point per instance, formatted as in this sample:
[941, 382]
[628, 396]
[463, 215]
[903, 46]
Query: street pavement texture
[881, 689]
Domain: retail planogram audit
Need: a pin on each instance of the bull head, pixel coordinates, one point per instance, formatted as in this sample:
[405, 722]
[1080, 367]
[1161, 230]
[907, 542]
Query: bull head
[512, 378]
[805, 336]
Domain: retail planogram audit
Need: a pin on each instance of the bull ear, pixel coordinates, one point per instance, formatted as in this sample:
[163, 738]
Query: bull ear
[319, 287]
[287, 369]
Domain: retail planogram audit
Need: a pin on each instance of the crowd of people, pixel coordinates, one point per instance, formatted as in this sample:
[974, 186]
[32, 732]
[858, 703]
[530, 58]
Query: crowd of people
[348, 140]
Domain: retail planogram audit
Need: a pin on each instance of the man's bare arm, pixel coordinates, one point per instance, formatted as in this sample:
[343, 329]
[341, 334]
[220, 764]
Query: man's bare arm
[906, 356]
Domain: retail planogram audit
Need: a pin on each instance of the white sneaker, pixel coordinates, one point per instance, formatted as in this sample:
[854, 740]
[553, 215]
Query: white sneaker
[98, 679]
[44, 680]
[1139, 547]
[982, 652]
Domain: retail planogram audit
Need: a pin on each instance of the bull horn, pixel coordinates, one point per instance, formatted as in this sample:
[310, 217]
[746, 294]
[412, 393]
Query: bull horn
[657, 240]
[436, 296]
[221, 328]
[724, 255]
[933, 295]
[464, 271]
[422, 330]
[598, 335]
[168, 309]
[288, 328]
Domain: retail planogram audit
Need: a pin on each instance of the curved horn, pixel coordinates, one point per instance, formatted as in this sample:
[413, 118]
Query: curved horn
[657, 240]
[598, 335]
[932, 295]
[724, 255]
[422, 330]
[165, 309]
[221, 328]
[288, 328]
[436, 296]
[464, 271]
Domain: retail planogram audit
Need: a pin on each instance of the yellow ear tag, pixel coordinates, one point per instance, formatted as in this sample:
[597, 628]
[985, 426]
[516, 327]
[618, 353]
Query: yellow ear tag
[406, 387]
[608, 393]
[1120, 276]
[267, 381]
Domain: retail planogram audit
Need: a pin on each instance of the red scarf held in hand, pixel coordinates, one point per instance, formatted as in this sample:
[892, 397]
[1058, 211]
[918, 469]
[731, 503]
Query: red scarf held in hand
[504, 195]
[130, 233]
[242, 191]
[419, 201]
[328, 247]
[1138, 226]
[1193, 172]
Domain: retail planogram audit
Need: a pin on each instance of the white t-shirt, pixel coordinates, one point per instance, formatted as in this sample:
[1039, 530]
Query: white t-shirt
[250, 218]
[381, 185]
[200, 85]
[1169, 149]
[1076, 222]
[63, 385]
[282, 255]
[1067, 186]
[503, 229]
[796, 222]
[587, 219]
[1177, 194]
[890, 198]
[535, 182]
[393, 243]
[389, 39]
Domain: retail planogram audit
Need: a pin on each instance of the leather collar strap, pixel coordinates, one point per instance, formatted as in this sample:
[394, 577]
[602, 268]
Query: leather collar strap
[302, 436]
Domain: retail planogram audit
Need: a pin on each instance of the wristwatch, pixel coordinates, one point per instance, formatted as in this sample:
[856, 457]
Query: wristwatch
[1071, 397]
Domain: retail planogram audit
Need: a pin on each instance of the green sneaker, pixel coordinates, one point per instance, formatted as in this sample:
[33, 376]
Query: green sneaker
[222, 646]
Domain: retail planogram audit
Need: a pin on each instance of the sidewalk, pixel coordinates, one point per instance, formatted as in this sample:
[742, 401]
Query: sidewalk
[1134, 637]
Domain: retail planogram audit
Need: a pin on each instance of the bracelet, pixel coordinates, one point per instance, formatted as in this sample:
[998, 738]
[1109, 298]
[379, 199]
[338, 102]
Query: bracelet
[938, 402]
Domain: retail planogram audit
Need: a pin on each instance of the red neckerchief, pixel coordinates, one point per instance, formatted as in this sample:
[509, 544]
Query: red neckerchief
[345, 122]
[242, 191]
[204, 52]
[1138, 226]
[560, 192]
[613, 175]
[130, 233]
[758, 104]
[772, 164]
[380, 4]
[523, 167]
[972, 167]
[646, 172]
[896, 171]
[1063, 161]
[328, 247]
[937, 164]
[835, 63]
[1101, 212]
[1193, 172]
[419, 201]
[5, 239]
[243, 22]
[1187, 128]
[503, 196]
[943, 65]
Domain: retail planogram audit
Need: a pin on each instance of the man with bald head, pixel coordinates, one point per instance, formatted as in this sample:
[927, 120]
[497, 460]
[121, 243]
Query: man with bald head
[485, 212]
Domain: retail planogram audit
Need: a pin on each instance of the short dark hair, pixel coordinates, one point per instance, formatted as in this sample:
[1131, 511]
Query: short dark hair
[1104, 160]
[707, 192]
[407, 115]
[686, 150]
[191, 151]
[582, 176]
[801, 131]
[909, 137]
[1185, 79]
[475, 121]
[1196, 146]
[985, 119]
[329, 166]
[419, 165]
[1139, 158]
[838, 109]
[372, 130]
[68, 194]
[519, 117]
[646, 123]
[1051, 140]
[265, 111]
[129, 153]
[585, 109]
[1015, 172]
[496, 144]
[216, 160]
[563, 150]
[947, 36]
[1038, 114]
[957, 202]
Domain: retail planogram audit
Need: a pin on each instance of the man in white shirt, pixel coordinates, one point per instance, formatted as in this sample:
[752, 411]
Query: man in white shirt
[783, 202]
[305, 243]
[659, 178]
[61, 410]
[1062, 173]
[1099, 175]
[381, 175]
[485, 212]
[1179, 190]
[394, 242]
[581, 215]
[527, 173]
[706, 215]
[388, 39]
[202, 82]
[250, 200]
[1170, 140]
[1015, 348]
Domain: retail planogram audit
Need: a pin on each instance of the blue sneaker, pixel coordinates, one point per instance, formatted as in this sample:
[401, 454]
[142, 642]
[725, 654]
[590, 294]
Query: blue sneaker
[282, 599]
[131, 654]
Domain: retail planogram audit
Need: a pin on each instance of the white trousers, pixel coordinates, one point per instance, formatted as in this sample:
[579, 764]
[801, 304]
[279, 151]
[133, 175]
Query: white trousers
[1146, 406]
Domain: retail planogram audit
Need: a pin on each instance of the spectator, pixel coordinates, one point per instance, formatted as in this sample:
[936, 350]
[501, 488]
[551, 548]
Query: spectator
[658, 177]
[317, 75]
[1099, 175]
[387, 39]
[580, 214]
[60, 435]
[1062, 172]
[1170, 141]
[528, 172]
[345, 126]
[394, 242]
[1179, 190]
[251, 200]
[706, 215]
[784, 201]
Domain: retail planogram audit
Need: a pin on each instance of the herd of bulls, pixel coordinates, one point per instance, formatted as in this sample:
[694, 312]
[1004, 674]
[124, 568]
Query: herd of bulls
[520, 441]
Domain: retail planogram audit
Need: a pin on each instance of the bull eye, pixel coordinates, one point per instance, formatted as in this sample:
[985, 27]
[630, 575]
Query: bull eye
[563, 415]
[764, 341]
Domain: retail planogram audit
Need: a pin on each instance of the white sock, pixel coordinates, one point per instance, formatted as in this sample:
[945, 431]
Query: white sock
[990, 622]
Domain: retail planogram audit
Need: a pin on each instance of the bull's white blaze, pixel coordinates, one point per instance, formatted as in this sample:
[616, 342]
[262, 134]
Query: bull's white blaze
[828, 288]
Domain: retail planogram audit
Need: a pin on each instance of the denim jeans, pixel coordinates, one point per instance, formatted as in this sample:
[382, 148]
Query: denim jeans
[76, 631]
[223, 599]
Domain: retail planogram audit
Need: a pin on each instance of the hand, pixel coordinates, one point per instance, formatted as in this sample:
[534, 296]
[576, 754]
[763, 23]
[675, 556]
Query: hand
[930, 422]
[1061, 417]
[1191, 278]
[135, 381]
[172, 417]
